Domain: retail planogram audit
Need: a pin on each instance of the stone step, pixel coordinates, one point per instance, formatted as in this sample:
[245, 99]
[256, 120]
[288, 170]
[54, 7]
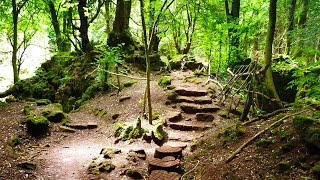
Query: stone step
[164, 175]
[205, 117]
[195, 100]
[168, 163]
[190, 91]
[188, 127]
[89, 125]
[196, 108]
[164, 151]
[173, 116]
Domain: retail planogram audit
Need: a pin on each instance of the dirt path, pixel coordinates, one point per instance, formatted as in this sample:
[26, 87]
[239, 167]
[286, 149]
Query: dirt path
[68, 155]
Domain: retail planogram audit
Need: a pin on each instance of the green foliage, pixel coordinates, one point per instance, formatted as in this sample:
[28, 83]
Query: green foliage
[234, 132]
[316, 169]
[37, 125]
[165, 81]
[27, 110]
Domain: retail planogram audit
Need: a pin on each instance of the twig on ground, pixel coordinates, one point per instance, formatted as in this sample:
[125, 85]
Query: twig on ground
[191, 169]
[235, 153]
[266, 116]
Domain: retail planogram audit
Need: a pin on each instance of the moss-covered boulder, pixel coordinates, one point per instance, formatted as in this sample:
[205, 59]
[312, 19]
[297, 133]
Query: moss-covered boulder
[302, 123]
[53, 115]
[37, 125]
[165, 81]
[308, 128]
[101, 167]
[158, 132]
[172, 96]
[313, 136]
[127, 132]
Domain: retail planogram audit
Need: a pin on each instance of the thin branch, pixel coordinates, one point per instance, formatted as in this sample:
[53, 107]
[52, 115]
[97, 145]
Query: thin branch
[101, 3]
[266, 116]
[235, 153]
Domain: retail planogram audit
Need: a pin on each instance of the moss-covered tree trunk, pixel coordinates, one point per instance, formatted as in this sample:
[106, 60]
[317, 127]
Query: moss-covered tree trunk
[120, 32]
[268, 53]
[15, 13]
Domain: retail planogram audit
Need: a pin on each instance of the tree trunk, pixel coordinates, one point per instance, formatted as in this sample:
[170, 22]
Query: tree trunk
[146, 50]
[56, 26]
[268, 53]
[84, 26]
[15, 14]
[233, 17]
[292, 10]
[155, 40]
[120, 33]
[107, 16]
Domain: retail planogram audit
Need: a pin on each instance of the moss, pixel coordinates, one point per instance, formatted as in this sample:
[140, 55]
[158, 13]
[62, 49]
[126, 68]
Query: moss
[264, 143]
[172, 96]
[164, 81]
[284, 166]
[105, 166]
[212, 89]
[43, 101]
[158, 131]
[27, 110]
[37, 125]
[129, 83]
[14, 141]
[118, 129]
[302, 123]
[155, 115]
[53, 115]
[316, 169]
[234, 132]
[313, 136]
[171, 87]
[91, 91]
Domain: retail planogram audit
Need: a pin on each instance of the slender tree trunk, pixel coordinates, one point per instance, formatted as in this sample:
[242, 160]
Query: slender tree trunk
[84, 26]
[146, 49]
[292, 10]
[155, 40]
[268, 53]
[107, 16]
[302, 23]
[56, 26]
[15, 14]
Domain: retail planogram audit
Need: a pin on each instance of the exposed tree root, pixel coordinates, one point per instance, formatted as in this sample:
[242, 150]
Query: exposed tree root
[235, 153]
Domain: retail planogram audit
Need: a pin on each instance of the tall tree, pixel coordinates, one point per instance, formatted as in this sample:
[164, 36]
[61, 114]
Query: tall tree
[120, 32]
[292, 9]
[268, 53]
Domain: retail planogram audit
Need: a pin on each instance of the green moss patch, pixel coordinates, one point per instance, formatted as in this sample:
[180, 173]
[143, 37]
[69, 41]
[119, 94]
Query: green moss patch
[14, 141]
[172, 96]
[129, 83]
[233, 133]
[43, 102]
[54, 115]
[158, 131]
[127, 132]
[97, 168]
[37, 125]
[165, 81]
[264, 143]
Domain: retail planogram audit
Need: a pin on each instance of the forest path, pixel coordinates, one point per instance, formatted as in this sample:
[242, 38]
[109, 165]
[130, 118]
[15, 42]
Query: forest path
[67, 155]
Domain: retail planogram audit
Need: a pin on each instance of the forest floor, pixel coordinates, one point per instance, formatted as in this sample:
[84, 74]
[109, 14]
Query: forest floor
[67, 155]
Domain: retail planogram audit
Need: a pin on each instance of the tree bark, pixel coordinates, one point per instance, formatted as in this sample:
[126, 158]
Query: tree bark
[56, 26]
[107, 16]
[146, 50]
[302, 23]
[268, 53]
[15, 13]
[120, 32]
[292, 10]
[84, 26]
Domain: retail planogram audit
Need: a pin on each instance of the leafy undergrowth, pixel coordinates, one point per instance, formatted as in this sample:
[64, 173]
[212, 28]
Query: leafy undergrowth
[280, 153]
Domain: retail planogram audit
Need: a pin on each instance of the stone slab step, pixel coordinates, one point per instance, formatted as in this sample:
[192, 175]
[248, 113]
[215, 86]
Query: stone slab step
[196, 108]
[164, 175]
[164, 151]
[195, 100]
[188, 127]
[89, 125]
[173, 116]
[167, 164]
[190, 91]
[204, 117]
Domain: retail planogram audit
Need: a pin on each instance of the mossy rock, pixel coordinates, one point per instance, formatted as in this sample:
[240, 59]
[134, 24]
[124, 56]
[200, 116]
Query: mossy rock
[155, 115]
[283, 166]
[234, 132]
[171, 87]
[27, 110]
[97, 168]
[316, 169]
[264, 143]
[302, 123]
[172, 96]
[37, 125]
[165, 81]
[43, 102]
[158, 133]
[14, 141]
[54, 115]
[129, 83]
[313, 136]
